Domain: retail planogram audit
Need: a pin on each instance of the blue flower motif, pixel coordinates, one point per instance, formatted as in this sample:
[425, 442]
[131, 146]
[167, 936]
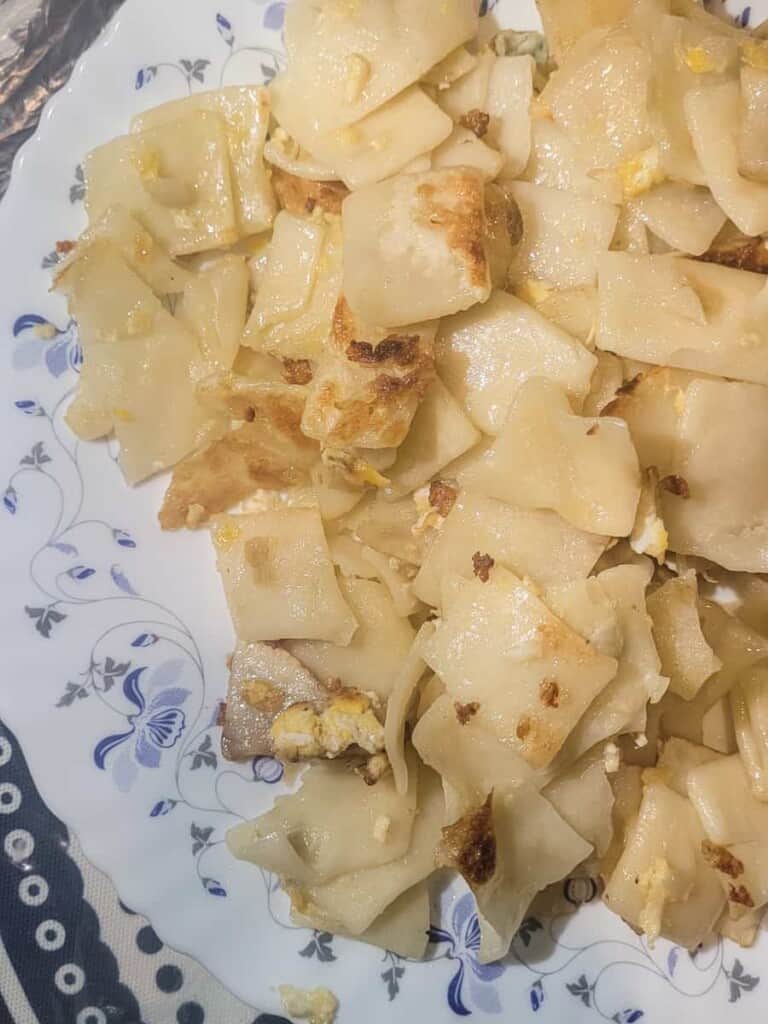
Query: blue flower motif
[672, 958]
[64, 548]
[156, 725]
[80, 572]
[40, 340]
[463, 941]
[29, 407]
[225, 30]
[213, 888]
[124, 539]
[162, 807]
[145, 640]
[536, 995]
[121, 580]
[11, 499]
[274, 16]
[144, 76]
[267, 769]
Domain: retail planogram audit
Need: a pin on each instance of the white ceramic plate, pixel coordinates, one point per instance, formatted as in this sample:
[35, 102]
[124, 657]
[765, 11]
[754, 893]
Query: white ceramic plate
[115, 635]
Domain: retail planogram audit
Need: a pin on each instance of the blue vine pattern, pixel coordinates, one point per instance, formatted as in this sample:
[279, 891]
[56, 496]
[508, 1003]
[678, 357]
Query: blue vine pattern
[162, 722]
[136, 668]
[194, 71]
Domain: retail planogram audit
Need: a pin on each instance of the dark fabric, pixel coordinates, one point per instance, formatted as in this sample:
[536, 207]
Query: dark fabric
[40, 41]
[74, 941]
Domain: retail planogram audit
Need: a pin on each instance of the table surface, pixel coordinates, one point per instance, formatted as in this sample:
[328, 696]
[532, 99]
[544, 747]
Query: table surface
[70, 951]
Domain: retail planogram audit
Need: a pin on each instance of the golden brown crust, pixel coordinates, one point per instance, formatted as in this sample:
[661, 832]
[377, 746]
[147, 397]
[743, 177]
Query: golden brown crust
[243, 399]
[721, 859]
[465, 712]
[442, 496]
[477, 121]
[344, 325]
[558, 639]
[367, 392]
[482, 565]
[302, 196]
[268, 452]
[457, 206]
[469, 845]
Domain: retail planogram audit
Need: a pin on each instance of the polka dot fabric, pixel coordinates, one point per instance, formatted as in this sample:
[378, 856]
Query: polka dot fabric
[70, 951]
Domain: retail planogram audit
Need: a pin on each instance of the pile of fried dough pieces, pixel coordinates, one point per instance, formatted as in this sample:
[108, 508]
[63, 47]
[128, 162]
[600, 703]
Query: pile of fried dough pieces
[458, 346]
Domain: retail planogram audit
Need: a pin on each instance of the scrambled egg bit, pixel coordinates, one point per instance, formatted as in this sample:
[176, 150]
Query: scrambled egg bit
[305, 731]
[654, 884]
[649, 534]
[353, 469]
[650, 537]
[533, 291]
[316, 1005]
[641, 172]
[705, 60]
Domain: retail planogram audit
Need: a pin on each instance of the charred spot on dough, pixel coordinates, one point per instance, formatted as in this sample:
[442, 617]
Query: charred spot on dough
[721, 859]
[676, 485]
[301, 196]
[629, 386]
[482, 565]
[549, 693]
[741, 252]
[442, 496]
[469, 845]
[740, 894]
[400, 349]
[464, 712]
[297, 371]
[385, 385]
[477, 121]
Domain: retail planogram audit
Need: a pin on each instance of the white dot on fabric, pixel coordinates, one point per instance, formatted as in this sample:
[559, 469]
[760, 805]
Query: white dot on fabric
[91, 1015]
[69, 979]
[33, 890]
[19, 845]
[10, 798]
[5, 751]
[50, 935]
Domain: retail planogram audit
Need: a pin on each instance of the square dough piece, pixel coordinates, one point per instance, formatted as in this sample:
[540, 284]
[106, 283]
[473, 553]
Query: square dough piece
[414, 247]
[175, 179]
[279, 579]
